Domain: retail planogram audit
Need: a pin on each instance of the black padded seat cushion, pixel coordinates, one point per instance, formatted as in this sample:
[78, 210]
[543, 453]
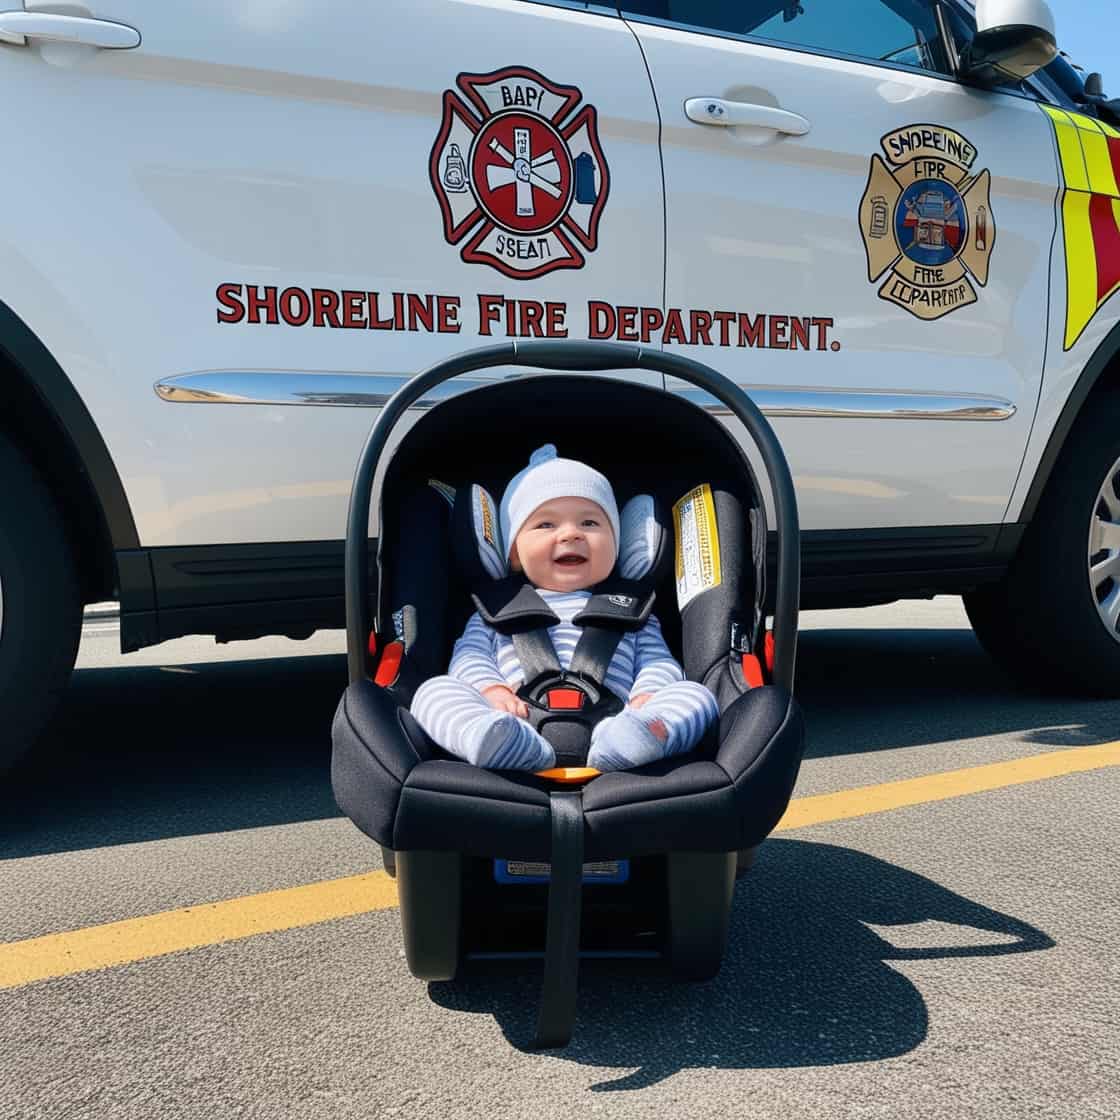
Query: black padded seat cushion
[399, 793]
[451, 805]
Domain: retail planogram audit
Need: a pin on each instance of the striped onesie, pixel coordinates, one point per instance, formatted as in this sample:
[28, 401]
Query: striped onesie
[453, 711]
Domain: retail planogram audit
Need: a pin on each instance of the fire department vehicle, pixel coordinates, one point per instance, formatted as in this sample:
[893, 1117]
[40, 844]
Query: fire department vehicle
[234, 229]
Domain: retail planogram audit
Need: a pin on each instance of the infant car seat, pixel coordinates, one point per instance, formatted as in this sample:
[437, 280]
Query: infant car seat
[638, 862]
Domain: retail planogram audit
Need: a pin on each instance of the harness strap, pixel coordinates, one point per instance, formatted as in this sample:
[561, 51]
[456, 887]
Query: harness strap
[536, 653]
[593, 653]
[512, 604]
[622, 604]
[557, 1014]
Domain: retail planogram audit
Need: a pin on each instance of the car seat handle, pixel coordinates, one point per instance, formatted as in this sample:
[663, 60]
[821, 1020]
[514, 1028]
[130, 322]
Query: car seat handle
[578, 356]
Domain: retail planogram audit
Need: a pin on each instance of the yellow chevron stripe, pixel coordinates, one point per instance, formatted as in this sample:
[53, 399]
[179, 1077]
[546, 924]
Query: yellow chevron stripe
[1069, 149]
[1090, 124]
[1102, 179]
[1081, 264]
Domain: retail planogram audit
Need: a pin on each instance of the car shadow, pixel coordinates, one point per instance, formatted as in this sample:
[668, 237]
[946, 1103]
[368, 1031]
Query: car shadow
[148, 753]
[865, 690]
[805, 981]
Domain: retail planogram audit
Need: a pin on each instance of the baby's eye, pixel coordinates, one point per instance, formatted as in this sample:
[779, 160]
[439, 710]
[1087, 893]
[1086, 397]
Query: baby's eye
[591, 522]
[543, 525]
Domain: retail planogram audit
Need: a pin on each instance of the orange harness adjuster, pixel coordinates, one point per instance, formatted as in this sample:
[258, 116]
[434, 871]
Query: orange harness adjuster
[569, 775]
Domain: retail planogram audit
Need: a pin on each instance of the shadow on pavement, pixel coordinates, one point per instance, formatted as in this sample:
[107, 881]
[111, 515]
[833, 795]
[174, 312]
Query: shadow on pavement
[879, 689]
[805, 982]
[148, 753]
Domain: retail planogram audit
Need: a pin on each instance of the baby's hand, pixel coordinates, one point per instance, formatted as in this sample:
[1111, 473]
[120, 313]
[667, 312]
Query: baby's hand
[640, 699]
[505, 700]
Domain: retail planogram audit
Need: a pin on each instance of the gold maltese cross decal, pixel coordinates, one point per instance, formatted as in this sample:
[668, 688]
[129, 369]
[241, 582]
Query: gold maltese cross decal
[518, 172]
[926, 221]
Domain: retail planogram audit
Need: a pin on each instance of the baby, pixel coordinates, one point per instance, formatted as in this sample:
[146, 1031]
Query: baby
[562, 520]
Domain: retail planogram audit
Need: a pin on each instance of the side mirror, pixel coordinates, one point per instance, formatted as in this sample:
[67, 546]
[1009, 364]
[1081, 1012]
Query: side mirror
[1014, 38]
[1094, 96]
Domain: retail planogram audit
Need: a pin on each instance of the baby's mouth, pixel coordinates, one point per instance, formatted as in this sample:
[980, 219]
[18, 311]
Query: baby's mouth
[570, 560]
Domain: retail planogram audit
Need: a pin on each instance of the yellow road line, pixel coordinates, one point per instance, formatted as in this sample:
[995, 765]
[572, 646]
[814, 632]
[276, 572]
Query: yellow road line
[848, 803]
[192, 927]
[156, 935]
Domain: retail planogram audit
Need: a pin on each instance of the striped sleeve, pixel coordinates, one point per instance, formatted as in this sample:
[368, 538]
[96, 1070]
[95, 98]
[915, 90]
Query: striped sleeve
[656, 667]
[474, 658]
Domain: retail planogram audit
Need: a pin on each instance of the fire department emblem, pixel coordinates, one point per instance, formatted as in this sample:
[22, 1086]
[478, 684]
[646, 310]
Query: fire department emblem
[927, 221]
[518, 173]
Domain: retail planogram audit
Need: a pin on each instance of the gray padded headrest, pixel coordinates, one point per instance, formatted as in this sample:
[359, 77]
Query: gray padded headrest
[639, 545]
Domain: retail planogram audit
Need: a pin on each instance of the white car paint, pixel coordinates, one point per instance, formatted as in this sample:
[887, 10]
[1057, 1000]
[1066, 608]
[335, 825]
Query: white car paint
[772, 218]
[288, 144]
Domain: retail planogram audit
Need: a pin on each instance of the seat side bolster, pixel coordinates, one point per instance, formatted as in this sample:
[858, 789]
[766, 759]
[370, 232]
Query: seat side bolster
[373, 714]
[762, 739]
[370, 760]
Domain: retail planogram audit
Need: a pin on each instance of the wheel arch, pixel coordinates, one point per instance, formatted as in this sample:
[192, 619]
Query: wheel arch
[1101, 374]
[46, 418]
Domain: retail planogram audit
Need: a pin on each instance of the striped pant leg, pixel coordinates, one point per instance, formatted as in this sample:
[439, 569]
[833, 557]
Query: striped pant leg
[686, 708]
[673, 720]
[460, 720]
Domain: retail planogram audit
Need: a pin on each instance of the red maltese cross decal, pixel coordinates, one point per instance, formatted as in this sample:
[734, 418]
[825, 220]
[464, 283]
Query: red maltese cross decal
[518, 173]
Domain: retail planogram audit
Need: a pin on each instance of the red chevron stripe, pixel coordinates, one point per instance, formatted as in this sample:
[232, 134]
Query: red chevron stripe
[1106, 244]
[1114, 155]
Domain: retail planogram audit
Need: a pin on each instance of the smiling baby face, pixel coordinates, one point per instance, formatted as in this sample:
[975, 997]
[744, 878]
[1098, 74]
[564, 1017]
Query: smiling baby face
[566, 544]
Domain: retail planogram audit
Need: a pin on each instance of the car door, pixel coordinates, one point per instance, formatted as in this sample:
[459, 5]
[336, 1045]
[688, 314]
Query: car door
[862, 242]
[265, 214]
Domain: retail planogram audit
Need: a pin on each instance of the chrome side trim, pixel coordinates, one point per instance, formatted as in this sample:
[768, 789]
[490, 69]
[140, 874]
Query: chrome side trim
[862, 405]
[347, 390]
[372, 390]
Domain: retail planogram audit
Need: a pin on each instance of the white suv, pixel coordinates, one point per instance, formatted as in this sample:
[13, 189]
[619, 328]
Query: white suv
[233, 229]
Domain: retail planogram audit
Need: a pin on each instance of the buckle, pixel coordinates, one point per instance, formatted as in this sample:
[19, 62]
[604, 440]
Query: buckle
[564, 699]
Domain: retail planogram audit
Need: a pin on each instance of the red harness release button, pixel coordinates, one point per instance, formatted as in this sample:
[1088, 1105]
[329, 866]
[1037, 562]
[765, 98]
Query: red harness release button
[564, 699]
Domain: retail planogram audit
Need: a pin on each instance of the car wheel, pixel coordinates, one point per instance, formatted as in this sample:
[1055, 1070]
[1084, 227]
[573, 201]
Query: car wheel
[40, 605]
[1054, 620]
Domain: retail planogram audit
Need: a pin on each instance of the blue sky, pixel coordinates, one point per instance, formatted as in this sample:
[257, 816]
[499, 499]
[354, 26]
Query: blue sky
[1089, 31]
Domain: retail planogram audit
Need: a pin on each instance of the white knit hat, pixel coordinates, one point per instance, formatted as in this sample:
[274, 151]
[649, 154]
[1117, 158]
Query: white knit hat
[548, 477]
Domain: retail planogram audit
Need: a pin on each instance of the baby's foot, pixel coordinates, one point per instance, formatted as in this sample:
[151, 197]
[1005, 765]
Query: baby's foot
[625, 741]
[501, 741]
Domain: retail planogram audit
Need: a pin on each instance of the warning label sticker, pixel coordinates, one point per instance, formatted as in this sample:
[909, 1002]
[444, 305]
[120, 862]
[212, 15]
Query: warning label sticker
[698, 565]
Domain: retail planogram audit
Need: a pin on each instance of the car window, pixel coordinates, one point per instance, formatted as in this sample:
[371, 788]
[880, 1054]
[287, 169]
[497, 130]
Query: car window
[903, 32]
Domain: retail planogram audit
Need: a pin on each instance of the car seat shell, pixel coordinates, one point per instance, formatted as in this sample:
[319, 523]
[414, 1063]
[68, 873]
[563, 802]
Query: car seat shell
[692, 811]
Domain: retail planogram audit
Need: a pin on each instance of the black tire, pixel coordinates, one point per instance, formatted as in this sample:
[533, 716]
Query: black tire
[40, 609]
[700, 888]
[430, 888]
[1041, 623]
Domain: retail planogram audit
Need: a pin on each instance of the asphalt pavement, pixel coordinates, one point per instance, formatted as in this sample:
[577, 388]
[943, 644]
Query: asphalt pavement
[953, 958]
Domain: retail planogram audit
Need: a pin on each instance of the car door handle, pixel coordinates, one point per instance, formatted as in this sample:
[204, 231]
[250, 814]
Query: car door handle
[714, 110]
[17, 27]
